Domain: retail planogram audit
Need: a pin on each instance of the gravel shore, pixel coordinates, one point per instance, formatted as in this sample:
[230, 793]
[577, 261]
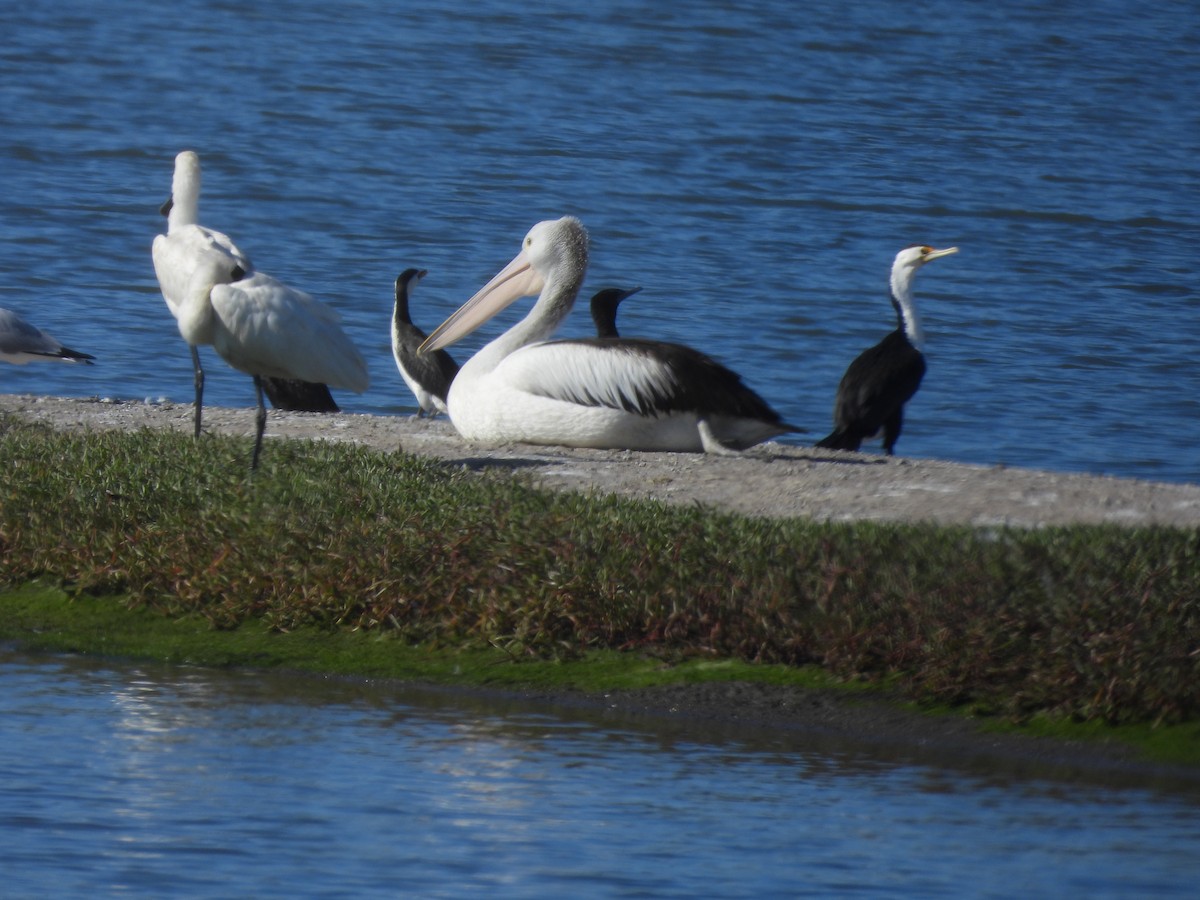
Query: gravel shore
[772, 480]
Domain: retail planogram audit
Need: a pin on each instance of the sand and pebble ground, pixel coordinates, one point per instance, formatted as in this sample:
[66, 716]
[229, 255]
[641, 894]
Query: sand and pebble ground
[773, 479]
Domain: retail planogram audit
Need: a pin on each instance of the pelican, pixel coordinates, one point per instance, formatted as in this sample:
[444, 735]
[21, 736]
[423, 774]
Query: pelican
[612, 393]
[872, 393]
[256, 323]
[604, 310]
[22, 343]
[428, 375]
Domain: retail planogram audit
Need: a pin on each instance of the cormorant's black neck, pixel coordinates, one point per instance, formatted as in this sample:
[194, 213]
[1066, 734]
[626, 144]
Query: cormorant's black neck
[604, 317]
[402, 314]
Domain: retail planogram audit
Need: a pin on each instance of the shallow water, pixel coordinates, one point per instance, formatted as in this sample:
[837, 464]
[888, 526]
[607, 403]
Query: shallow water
[120, 779]
[754, 168]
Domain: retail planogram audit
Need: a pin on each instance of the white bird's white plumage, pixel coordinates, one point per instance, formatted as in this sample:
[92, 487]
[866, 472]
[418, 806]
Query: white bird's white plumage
[257, 324]
[189, 252]
[613, 393]
[264, 327]
[578, 372]
[188, 247]
[21, 343]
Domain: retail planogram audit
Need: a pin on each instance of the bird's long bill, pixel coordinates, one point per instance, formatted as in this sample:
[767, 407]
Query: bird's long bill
[934, 254]
[517, 279]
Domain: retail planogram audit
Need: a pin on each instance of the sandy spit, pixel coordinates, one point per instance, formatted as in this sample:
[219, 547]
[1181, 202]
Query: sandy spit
[772, 480]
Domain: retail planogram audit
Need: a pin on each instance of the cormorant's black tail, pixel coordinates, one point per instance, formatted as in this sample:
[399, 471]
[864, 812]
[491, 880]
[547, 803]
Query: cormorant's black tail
[840, 440]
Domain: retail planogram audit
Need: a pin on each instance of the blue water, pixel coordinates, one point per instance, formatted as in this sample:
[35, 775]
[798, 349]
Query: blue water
[135, 781]
[755, 166]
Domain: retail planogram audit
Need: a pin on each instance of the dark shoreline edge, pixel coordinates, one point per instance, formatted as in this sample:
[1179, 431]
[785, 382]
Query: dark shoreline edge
[866, 729]
[880, 727]
[869, 725]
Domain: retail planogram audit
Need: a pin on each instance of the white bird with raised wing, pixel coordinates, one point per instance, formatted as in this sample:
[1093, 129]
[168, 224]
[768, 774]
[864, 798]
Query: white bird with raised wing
[258, 324]
[605, 393]
[188, 248]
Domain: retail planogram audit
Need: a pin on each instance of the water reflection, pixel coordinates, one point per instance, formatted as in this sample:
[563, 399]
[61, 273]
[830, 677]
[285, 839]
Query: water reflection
[187, 781]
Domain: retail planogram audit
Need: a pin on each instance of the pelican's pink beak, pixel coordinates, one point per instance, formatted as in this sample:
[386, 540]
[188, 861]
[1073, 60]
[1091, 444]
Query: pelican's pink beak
[517, 279]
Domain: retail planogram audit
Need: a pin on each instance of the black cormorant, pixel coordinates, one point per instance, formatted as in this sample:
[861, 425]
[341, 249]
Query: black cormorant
[428, 375]
[604, 310]
[883, 378]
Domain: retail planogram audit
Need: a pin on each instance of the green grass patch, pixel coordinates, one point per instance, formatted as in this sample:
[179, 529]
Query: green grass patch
[363, 559]
[45, 618]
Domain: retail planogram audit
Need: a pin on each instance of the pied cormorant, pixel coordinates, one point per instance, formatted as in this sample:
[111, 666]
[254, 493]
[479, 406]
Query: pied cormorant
[604, 310]
[428, 375]
[872, 393]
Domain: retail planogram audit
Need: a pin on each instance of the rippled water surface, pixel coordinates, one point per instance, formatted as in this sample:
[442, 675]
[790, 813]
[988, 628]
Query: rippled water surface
[123, 780]
[755, 166]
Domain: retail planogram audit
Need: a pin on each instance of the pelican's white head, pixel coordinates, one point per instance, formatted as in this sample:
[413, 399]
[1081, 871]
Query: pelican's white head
[554, 252]
[557, 247]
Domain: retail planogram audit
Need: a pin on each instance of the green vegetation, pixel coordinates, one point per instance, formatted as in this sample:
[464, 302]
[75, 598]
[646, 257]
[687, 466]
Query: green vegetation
[390, 564]
[48, 618]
